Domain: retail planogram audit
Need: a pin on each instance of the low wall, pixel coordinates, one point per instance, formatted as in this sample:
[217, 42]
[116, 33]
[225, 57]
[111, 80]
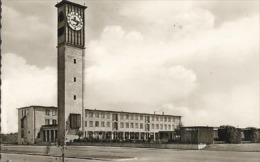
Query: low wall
[144, 145]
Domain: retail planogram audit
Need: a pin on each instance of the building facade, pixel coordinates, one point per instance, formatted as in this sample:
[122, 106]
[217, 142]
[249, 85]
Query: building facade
[37, 124]
[101, 124]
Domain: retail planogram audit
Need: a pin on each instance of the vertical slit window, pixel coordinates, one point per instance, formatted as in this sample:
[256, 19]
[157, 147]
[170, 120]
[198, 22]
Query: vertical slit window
[75, 61]
[75, 97]
[75, 79]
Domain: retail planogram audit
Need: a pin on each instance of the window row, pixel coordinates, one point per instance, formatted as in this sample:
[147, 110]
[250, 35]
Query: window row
[48, 122]
[130, 116]
[53, 112]
[130, 125]
[96, 124]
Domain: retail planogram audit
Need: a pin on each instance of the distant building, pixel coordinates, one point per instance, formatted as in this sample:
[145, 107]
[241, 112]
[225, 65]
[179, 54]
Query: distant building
[197, 135]
[38, 124]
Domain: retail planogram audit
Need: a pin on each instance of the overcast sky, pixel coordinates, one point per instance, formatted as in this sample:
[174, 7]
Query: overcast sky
[198, 59]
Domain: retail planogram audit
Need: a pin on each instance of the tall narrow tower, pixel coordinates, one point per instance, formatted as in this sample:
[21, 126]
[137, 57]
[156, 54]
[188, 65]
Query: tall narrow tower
[71, 51]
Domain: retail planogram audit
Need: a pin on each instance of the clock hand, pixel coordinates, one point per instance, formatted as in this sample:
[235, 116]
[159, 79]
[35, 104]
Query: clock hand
[75, 20]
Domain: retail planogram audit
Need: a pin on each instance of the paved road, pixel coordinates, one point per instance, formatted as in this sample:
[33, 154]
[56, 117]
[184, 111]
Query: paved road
[93, 153]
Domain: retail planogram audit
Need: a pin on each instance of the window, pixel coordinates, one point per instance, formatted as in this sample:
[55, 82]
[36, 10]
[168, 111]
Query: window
[169, 127]
[54, 112]
[121, 116]
[121, 125]
[39, 135]
[108, 124]
[141, 126]
[169, 119]
[115, 126]
[22, 134]
[165, 126]
[127, 116]
[136, 125]
[47, 121]
[115, 117]
[97, 124]
[161, 118]
[75, 121]
[102, 115]
[86, 114]
[132, 125]
[165, 118]
[91, 115]
[147, 127]
[157, 126]
[97, 115]
[132, 117]
[23, 112]
[157, 118]
[47, 112]
[127, 125]
[75, 97]
[108, 115]
[141, 117]
[22, 123]
[86, 123]
[173, 119]
[136, 117]
[152, 118]
[161, 126]
[54, 122]
[75, 61]
[152, 126]
[147, 118]
[90, 123]
[102, 124]
[75, 79]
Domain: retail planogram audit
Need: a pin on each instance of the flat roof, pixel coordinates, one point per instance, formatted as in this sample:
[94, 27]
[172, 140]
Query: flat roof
[53, 107]
[37, 106]
[132, 112]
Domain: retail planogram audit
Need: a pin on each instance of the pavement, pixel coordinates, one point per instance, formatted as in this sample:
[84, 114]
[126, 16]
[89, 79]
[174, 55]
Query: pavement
[97, 153]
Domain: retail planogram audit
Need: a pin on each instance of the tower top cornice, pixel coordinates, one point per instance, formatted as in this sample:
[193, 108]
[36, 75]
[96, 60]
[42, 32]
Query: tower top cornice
[71, 3]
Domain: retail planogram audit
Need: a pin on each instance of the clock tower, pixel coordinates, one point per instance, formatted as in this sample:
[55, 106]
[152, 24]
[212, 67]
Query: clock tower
[71, 51]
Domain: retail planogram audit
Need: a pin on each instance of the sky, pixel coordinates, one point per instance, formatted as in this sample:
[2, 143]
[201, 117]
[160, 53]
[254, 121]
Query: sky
[197, 59]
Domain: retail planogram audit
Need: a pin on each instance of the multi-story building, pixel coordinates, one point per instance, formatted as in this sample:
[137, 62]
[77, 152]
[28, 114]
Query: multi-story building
[121, 125]
[38, 124]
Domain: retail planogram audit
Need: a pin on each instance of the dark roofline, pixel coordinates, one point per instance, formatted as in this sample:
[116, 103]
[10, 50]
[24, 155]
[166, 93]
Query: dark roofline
[37, 106]
[197, 127]
[71, 3]
[132, 112]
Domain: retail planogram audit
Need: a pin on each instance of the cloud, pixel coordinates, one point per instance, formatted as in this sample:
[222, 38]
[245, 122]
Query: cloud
[29, 35]
[192, 75]
[24, 85]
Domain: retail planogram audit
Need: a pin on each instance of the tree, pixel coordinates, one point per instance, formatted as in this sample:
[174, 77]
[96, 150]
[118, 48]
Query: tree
[80, 133]
[177, 130]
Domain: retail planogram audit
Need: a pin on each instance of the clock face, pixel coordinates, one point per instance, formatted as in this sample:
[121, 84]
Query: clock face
[75, 20]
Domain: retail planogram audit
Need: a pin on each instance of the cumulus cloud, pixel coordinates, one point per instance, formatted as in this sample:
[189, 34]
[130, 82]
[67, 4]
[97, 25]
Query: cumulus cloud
[24, 85]
[177, 74]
